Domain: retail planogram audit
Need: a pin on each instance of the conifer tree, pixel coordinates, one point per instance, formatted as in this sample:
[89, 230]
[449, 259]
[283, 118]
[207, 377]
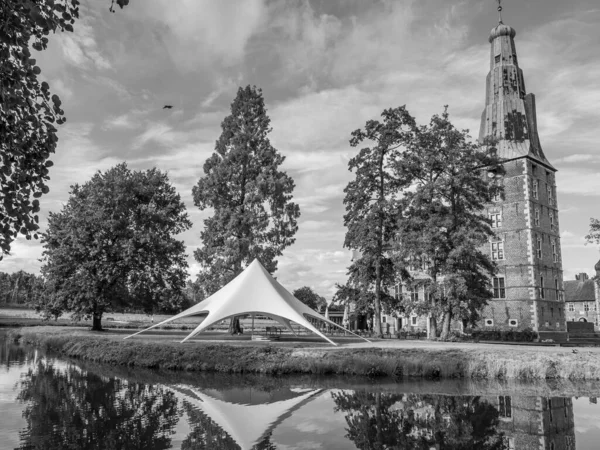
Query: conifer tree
[371, 199]
[251, 198]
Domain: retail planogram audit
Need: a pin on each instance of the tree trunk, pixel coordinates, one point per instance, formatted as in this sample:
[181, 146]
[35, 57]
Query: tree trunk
[96, 322]
[446, 325]
[377, 318]
[234, 326]
[432, 319]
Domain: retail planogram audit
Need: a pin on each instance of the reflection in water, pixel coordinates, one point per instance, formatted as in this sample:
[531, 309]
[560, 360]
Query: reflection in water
[247, 416]
[75, 409]
[378, 421]
[65, 406]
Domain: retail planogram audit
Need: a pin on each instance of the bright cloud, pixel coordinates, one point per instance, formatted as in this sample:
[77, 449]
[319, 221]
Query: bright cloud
[325, 69]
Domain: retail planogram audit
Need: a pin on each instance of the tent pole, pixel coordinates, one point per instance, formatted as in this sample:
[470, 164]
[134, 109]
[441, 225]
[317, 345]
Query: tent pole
[252, 333]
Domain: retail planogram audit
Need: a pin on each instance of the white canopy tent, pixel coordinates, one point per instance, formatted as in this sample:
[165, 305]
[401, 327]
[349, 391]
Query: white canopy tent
[254, 291]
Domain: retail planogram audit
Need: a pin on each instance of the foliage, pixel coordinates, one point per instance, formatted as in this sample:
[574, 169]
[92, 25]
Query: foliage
[310, 298]
[28, 111]
[376, 420]
[205, 433]
[363, 301]
[112, 245]
[442, 227]
[20, 288]
[371, 200]
[73, 408]
[253, 213]
[594, 236]
[527, 335]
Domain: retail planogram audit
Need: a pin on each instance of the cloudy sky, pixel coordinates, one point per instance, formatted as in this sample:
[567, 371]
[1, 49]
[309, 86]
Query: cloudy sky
[325, 67]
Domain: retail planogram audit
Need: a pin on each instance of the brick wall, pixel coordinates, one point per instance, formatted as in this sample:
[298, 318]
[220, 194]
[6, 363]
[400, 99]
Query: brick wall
[529, 212]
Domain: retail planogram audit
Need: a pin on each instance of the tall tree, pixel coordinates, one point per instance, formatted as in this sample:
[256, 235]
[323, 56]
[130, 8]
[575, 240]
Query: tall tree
[371, 198]
[442, 227]
[251, 198]
[28, 110]
[113, 245]
[310, 298]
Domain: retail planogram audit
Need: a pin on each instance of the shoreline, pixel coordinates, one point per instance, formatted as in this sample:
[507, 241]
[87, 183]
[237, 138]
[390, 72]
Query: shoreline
[398, 360]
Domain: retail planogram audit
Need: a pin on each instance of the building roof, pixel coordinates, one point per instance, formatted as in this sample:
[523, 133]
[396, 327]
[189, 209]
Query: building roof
[579, 291]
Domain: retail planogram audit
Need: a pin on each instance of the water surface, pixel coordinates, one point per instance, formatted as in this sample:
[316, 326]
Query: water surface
[51, 403]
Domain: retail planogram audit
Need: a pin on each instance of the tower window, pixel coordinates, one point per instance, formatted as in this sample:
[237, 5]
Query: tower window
[533, 169]
[542, 294]
[554, 251]
[499, 288]
[496, 219]
[550, 196]
[497, 251]
[535, 189]
[537, 217]
[539, 247]
[556, 289]
[551, 214]
[504, 406]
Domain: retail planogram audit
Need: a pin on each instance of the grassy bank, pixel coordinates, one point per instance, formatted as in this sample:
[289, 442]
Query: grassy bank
[472, 362]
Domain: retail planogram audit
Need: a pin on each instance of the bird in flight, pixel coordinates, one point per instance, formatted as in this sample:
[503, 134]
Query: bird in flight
[167, 107]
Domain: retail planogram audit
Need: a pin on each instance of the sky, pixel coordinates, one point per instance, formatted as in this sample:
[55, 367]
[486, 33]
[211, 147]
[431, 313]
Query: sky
[325, 68]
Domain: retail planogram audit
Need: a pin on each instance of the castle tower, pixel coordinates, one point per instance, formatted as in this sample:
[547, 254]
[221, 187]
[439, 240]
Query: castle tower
[528, 289]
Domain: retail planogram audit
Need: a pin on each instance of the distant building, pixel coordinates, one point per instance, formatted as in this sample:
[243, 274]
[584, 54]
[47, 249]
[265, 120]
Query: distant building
[582, 299]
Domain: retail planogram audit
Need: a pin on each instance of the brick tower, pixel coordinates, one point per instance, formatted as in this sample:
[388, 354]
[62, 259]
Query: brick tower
[528, 290]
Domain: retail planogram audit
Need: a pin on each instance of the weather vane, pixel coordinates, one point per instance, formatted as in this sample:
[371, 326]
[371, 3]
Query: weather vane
[499, 11]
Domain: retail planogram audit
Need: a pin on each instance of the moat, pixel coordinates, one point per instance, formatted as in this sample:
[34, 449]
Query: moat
[47, 402]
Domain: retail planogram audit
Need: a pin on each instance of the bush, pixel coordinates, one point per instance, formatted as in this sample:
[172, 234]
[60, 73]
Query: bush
[527, 335]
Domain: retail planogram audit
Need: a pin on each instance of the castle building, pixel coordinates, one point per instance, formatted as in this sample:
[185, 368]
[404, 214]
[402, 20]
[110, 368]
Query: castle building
[582, 298]
[528, 288]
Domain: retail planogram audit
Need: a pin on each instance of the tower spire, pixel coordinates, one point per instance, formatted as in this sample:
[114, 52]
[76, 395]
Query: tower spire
[500, 11]
[510, 114]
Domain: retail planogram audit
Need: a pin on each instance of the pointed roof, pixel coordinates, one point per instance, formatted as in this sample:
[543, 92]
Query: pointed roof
[254, 291]
[510, 115]
[247, 424]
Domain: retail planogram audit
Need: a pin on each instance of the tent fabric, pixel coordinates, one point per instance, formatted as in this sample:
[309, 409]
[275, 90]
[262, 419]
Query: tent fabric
[254, 291]
[246, 424]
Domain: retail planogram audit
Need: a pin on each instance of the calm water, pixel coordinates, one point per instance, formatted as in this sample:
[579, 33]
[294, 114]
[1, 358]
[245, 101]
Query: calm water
[49, 403]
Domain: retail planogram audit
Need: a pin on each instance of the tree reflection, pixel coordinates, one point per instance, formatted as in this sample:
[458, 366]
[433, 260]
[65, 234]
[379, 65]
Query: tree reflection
[205, 434]
[379, 421]
[76, 409]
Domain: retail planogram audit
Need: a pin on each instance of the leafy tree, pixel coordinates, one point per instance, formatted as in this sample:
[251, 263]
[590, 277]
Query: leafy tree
[442, 227]
[310, 298]
[112, 245]
[253, 213]
[371, 198]
[594, 236]
[28, 111]
[20, 288]
[77, 409]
